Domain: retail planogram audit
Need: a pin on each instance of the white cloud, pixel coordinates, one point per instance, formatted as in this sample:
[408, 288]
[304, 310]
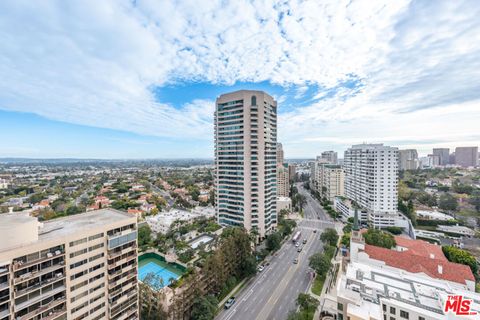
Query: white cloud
[94, 63]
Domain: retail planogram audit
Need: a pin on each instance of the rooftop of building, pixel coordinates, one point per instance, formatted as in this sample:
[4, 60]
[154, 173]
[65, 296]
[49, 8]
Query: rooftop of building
[367, 285]
[421, 248]
[61, 227]
[89, 220]
[435, 267]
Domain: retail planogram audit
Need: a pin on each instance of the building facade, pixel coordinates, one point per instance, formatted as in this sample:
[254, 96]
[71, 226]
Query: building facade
[280, 154]
[79, 267]
[408, 159]
[371, 179]
[246, 160]
[466, 156]
[329, 156]
[283, 181]
[443, 155]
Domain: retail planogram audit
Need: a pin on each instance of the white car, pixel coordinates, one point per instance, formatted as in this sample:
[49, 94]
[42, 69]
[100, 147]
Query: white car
[260, 268]
[297, 244]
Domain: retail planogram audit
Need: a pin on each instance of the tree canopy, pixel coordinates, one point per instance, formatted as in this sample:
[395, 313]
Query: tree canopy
[329, 236]
[379, 238]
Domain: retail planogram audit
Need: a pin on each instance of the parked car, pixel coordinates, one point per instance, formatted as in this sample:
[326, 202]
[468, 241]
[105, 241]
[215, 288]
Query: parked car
[260, 268]
[295, 261]
[314, 231]
[297, 244]
[304, 241]
[229, 302]
[299, 249]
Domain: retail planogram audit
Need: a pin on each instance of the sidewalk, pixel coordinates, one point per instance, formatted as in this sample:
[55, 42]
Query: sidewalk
[234, 291]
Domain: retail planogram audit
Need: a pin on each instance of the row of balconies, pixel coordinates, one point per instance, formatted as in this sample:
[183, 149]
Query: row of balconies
[38, 273]
[50, 305]
[21, 264]
[58, 276]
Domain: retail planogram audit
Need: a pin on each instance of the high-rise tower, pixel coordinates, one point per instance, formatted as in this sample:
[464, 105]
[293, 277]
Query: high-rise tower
[245, 160]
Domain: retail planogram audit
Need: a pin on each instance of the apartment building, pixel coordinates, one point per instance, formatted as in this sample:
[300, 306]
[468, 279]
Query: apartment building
[412, 281]
[283, 181]
[333, 181]
[246, 160]
[408, 159]
[79, 267]
[371, 179]
[329, 157]
[280, 154]
[466, 156]
[443, 155]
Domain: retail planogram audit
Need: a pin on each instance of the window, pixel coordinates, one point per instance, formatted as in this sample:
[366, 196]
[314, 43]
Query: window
[421, 318]
[254, 100]
[340, 306]
[403, 314]
[384, 306]
[97, 236]
[77, 242]
[392, 310]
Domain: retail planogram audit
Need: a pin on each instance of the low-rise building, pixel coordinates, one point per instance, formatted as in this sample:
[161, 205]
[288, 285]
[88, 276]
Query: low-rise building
[345, 207]
[461, 230]
[162, 222]
[432, 215]
[284, 203]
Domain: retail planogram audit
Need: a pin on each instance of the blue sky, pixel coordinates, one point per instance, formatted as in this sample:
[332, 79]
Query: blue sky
[123, 79]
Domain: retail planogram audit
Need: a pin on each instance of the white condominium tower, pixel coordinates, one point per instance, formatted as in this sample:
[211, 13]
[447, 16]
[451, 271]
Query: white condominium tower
[371, 178]
[245, 160]
[79, 267]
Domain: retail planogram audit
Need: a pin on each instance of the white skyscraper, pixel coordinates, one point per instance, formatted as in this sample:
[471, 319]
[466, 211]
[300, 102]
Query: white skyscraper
[246, 160]
[371, 179]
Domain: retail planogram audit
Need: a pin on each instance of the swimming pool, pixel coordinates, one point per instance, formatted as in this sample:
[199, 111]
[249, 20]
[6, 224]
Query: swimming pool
[159, 272]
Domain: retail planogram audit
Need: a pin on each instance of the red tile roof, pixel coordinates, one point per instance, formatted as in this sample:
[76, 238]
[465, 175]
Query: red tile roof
[421, 248]
[411, 262]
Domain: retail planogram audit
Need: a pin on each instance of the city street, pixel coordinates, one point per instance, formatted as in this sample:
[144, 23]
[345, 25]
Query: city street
[272, 293]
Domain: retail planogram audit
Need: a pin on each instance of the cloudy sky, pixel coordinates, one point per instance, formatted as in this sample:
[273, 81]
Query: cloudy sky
[138, 79]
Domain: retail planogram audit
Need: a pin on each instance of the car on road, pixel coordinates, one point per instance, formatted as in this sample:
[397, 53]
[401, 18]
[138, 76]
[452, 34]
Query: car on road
[295, 261]
[304, 241]
[299, 249]
[260, 268]
[314, 231]
[297, 244]
[229, 302]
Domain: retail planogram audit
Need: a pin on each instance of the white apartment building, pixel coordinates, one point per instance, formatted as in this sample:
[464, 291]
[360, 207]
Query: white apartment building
[162, 222]
[246, 160]
[79, 267]
[371, 179]
[346, 209]
[367, 292]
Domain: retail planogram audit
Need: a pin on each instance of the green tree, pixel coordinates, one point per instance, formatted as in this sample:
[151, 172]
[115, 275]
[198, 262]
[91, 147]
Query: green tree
[475, 200]
[248, 266]
[329, 236]
[448, 202]
[457, 255]
[379, 238]
[427, 199]
[320, 263]
[144, 234]
[274, 241]
[204, 308]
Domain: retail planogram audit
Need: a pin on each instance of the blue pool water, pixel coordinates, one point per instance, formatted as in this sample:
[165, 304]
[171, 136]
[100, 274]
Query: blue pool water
[160, 271]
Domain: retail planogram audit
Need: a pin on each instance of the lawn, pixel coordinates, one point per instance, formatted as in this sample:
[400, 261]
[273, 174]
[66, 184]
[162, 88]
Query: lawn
[318, 285]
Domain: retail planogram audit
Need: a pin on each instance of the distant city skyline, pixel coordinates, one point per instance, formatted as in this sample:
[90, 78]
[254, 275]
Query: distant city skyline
[127, 80]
